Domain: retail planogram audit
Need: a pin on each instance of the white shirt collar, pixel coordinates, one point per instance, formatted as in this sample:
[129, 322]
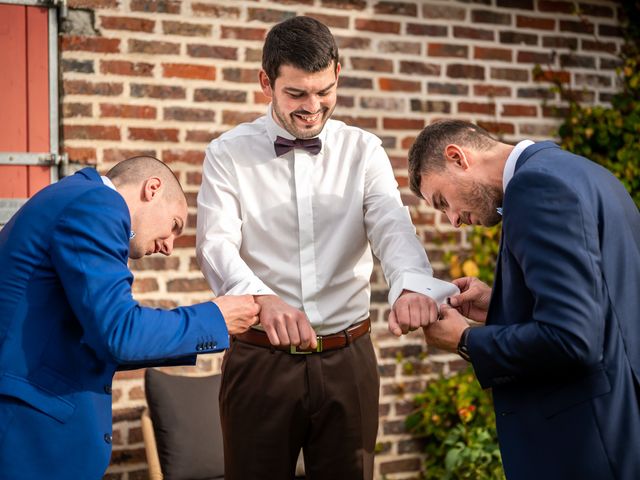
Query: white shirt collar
[510, 165]
[107, 181]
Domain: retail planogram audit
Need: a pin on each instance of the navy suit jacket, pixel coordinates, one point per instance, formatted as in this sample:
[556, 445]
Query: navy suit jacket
[68, 321]
[561, 348]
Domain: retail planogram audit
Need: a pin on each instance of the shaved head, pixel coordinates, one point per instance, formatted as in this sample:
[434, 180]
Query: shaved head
[135, 170]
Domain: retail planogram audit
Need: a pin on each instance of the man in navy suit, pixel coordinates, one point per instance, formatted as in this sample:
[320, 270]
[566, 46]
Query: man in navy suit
[68, 320]
[558, 339]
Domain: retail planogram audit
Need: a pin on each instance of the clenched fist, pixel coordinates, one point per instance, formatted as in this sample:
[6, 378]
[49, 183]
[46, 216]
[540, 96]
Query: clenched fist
[239, 312]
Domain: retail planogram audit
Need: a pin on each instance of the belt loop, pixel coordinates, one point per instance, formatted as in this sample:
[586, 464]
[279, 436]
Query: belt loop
[347, 337]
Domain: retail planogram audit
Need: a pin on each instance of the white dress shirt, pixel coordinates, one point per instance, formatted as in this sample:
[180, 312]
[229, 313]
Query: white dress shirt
[512, 159]
[302, 226]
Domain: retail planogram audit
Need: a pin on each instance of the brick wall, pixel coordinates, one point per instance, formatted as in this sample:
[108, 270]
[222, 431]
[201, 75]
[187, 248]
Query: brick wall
[164, 77]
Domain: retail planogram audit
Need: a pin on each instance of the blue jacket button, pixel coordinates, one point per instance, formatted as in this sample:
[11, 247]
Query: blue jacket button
[108, 438]
[107, 389]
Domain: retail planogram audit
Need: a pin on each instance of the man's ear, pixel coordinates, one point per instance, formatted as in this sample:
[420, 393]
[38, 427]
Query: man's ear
[265, 84]
[455, 155]
[151, 188]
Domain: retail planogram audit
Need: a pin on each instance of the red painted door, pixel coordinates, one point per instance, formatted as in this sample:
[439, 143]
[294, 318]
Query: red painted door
[24, 96]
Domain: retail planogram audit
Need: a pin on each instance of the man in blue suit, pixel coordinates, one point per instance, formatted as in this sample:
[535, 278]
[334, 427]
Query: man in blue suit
[68, 320]
[558, 339]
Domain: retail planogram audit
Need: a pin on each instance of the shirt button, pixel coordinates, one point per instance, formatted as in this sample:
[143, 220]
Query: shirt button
[107, 438]
[107, 389]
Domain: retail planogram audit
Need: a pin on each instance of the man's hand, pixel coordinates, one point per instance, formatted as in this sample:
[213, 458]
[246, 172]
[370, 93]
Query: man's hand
[284, 324]
[239, 312]
[411, 311]
[473, 300]
[445, 333]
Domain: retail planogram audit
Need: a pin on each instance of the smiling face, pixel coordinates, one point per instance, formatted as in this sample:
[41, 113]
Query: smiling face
[302, 102]
[157, 223]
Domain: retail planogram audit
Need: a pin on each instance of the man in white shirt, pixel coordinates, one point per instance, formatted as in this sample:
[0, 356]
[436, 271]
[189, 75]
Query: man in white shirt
[289, 210]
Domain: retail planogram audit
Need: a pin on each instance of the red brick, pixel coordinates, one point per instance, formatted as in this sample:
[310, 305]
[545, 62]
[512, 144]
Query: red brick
[484, 53]
[155, 262]
[535, 22]
[361, 122]
[436, 88]
[187, 114]
[420, 68]
[158, 91]
[131, 455]
[512, 74]
[473, 33]
[121, 67]
[427, 30]
[372, 64]
[465, 71]
[490, 16]
[331, 21]
[217, 11]
[518, 38]
[144, 285]
[194, 178]
[156, 6]
[396, 8]
[472, 107]
[355, 82]
[212, 51]
[269, 15]
[400, 47]
[379, 26]
[498, 128]
[181, 70]
[186, 29]
[345, 4]
[443, 11]
[75, 65]
[582, 26]
[360, 43]
[90, 132]
[127, 23]
[519, 111]
[522, 4]
[127, 111]
[193, 157]
[81, 154]
[395, 85]
[153, 134]
[599, 46]
[259, 97]
[185, 241]
[402, 124]
[115, 155]
[535, 57]
[556, 6]
[90, 44]
[560, 42]
[430, 106]
[219, 95]
[491, 91]
[241, 75]
[243, 33]
[93, 4]
[447, 50]
[153, 47]
[232, 117]
[596, 10]
[552, 76]
[201, 136]
[70, 110]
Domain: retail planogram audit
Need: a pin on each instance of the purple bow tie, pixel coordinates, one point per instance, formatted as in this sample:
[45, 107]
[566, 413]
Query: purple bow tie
[311, 145]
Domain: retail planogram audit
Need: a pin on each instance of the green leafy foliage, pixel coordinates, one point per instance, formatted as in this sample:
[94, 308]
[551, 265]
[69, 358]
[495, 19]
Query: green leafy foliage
[455, 419]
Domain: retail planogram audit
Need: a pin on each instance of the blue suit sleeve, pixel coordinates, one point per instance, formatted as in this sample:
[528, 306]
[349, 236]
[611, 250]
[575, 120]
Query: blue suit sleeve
[90, 254]
[555, 243]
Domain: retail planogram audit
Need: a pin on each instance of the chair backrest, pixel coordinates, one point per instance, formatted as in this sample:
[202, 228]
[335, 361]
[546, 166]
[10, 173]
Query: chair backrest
[150, 447]
[185, 420]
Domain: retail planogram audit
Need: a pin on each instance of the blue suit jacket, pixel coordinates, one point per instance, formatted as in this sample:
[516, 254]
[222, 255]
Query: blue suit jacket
[68, 321]
[561, 348]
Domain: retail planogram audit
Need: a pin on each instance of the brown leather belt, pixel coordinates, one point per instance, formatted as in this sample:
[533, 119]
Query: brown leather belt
[325, 342]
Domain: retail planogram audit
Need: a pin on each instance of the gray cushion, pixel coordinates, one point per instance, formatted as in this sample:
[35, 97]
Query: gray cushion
[186, 423]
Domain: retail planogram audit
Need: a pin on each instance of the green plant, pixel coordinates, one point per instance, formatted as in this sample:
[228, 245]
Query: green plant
[480, 261]
[609, 135]
[455, 418]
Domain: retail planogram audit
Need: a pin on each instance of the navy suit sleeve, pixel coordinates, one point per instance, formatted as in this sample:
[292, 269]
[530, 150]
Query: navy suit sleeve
[90, 253]
[553, 238]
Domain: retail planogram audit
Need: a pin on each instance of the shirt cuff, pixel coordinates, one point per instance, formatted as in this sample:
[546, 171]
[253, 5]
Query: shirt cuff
[254, 286]
[432, 287]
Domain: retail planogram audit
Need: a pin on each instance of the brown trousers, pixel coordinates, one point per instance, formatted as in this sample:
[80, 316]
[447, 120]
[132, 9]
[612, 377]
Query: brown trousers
[273, 403]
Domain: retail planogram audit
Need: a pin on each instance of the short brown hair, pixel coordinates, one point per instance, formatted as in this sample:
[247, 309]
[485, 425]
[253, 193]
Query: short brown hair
[427, 152]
